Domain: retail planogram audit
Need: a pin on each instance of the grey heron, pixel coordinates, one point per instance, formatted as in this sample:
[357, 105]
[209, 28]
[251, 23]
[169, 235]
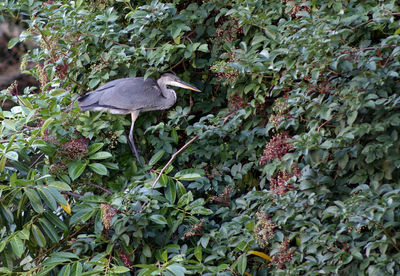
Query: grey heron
[132, 96]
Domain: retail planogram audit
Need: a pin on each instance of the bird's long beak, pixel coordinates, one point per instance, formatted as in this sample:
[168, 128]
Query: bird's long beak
[185, 85]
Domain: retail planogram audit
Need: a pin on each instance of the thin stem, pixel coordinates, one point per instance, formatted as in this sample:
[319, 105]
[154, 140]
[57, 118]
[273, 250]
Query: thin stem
[175, 65]
[36, 161]
[384, 231]
[172, 159]
[101, 188]
[75, 82]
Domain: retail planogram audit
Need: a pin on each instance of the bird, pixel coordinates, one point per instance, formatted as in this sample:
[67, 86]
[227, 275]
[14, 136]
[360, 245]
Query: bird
[132, 96]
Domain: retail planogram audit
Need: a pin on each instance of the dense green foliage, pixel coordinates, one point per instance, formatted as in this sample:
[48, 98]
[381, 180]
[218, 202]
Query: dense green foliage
[297, 152]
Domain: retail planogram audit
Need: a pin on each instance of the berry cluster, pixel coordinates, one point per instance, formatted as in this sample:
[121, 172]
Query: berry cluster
[295, 6]
[228, 30]
[280, 109]
[13, 89]
[264, 229]
[284, 255]
[280, 184]
[235, 103]
[224, 71]
[74, 149]
[58, 168]
[108, 213]
[126, 259]
[223, 197]
[276, 148]
[196, 230]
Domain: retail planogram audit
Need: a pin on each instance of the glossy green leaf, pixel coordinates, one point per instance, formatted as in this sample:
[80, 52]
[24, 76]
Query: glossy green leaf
[98, 168]
[75, 169]
[38, 236]
[34, 199]
[157, 156]
[17, 246]
[159, 219]
[100, 155]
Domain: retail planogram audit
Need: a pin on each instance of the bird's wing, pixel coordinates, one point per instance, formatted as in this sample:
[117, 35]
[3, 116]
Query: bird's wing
[130, 94]
[123, 95]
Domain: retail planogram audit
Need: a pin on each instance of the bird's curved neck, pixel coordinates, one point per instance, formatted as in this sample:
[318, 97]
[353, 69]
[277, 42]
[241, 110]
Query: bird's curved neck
[168, 94]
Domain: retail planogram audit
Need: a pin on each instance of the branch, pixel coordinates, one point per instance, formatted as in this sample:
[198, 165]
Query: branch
[172, 159]
[36, 161]
[100, 187]
[388, 236]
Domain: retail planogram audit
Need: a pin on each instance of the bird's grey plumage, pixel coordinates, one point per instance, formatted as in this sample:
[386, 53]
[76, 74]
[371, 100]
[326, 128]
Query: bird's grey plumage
[133, 95]
[125, 95]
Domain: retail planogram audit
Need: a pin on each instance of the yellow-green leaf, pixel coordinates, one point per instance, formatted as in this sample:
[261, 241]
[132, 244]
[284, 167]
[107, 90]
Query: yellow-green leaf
[261, 255]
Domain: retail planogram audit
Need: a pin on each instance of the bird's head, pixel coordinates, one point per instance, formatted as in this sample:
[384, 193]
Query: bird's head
[171, 79]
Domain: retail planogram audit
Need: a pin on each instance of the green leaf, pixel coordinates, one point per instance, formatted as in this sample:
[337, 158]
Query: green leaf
[57, 92]
[13, 41]
[55, 261]
[175, 33]
[242, 264]
[159, 219]
[170, 192]
[2, 163]
[98, 168]
[198, 253]
[47, 197]
[34, 199]
[38, 236]
[177, 269]
[17, 246]
[77, 269]
[82, 216]
[64, 254]
[185, 199]
[351, 117]
[94, 148]
[61, 186]
[146, 250]
[56, 195]
[100, 155]
[79, 3]
[189, 174]
[7, 214]
[203, 48]
[56, 221]
[50, 230]
[12, 155]
[156, 157]
[93, 83]
[119, 269]
[45, 125]
[200, 210]
[65, 270]
[75, 169]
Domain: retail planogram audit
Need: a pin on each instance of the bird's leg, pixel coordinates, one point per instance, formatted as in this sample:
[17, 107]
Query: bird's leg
[134, 115]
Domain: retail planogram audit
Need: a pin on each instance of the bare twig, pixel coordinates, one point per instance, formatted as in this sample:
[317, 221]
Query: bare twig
[176, 154]
[72, 194]
[362, 24]
[172, 159]
[324, 123]
[168, 163]
[101, 188]
[388, 236]
[36, 161]
[175, 65]
[77, 83]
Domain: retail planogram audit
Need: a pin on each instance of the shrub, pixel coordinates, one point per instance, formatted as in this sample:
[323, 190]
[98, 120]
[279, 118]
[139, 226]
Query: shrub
[288, 162]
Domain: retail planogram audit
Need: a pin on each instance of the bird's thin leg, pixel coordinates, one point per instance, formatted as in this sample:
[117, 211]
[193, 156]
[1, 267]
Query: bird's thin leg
[134, 115]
